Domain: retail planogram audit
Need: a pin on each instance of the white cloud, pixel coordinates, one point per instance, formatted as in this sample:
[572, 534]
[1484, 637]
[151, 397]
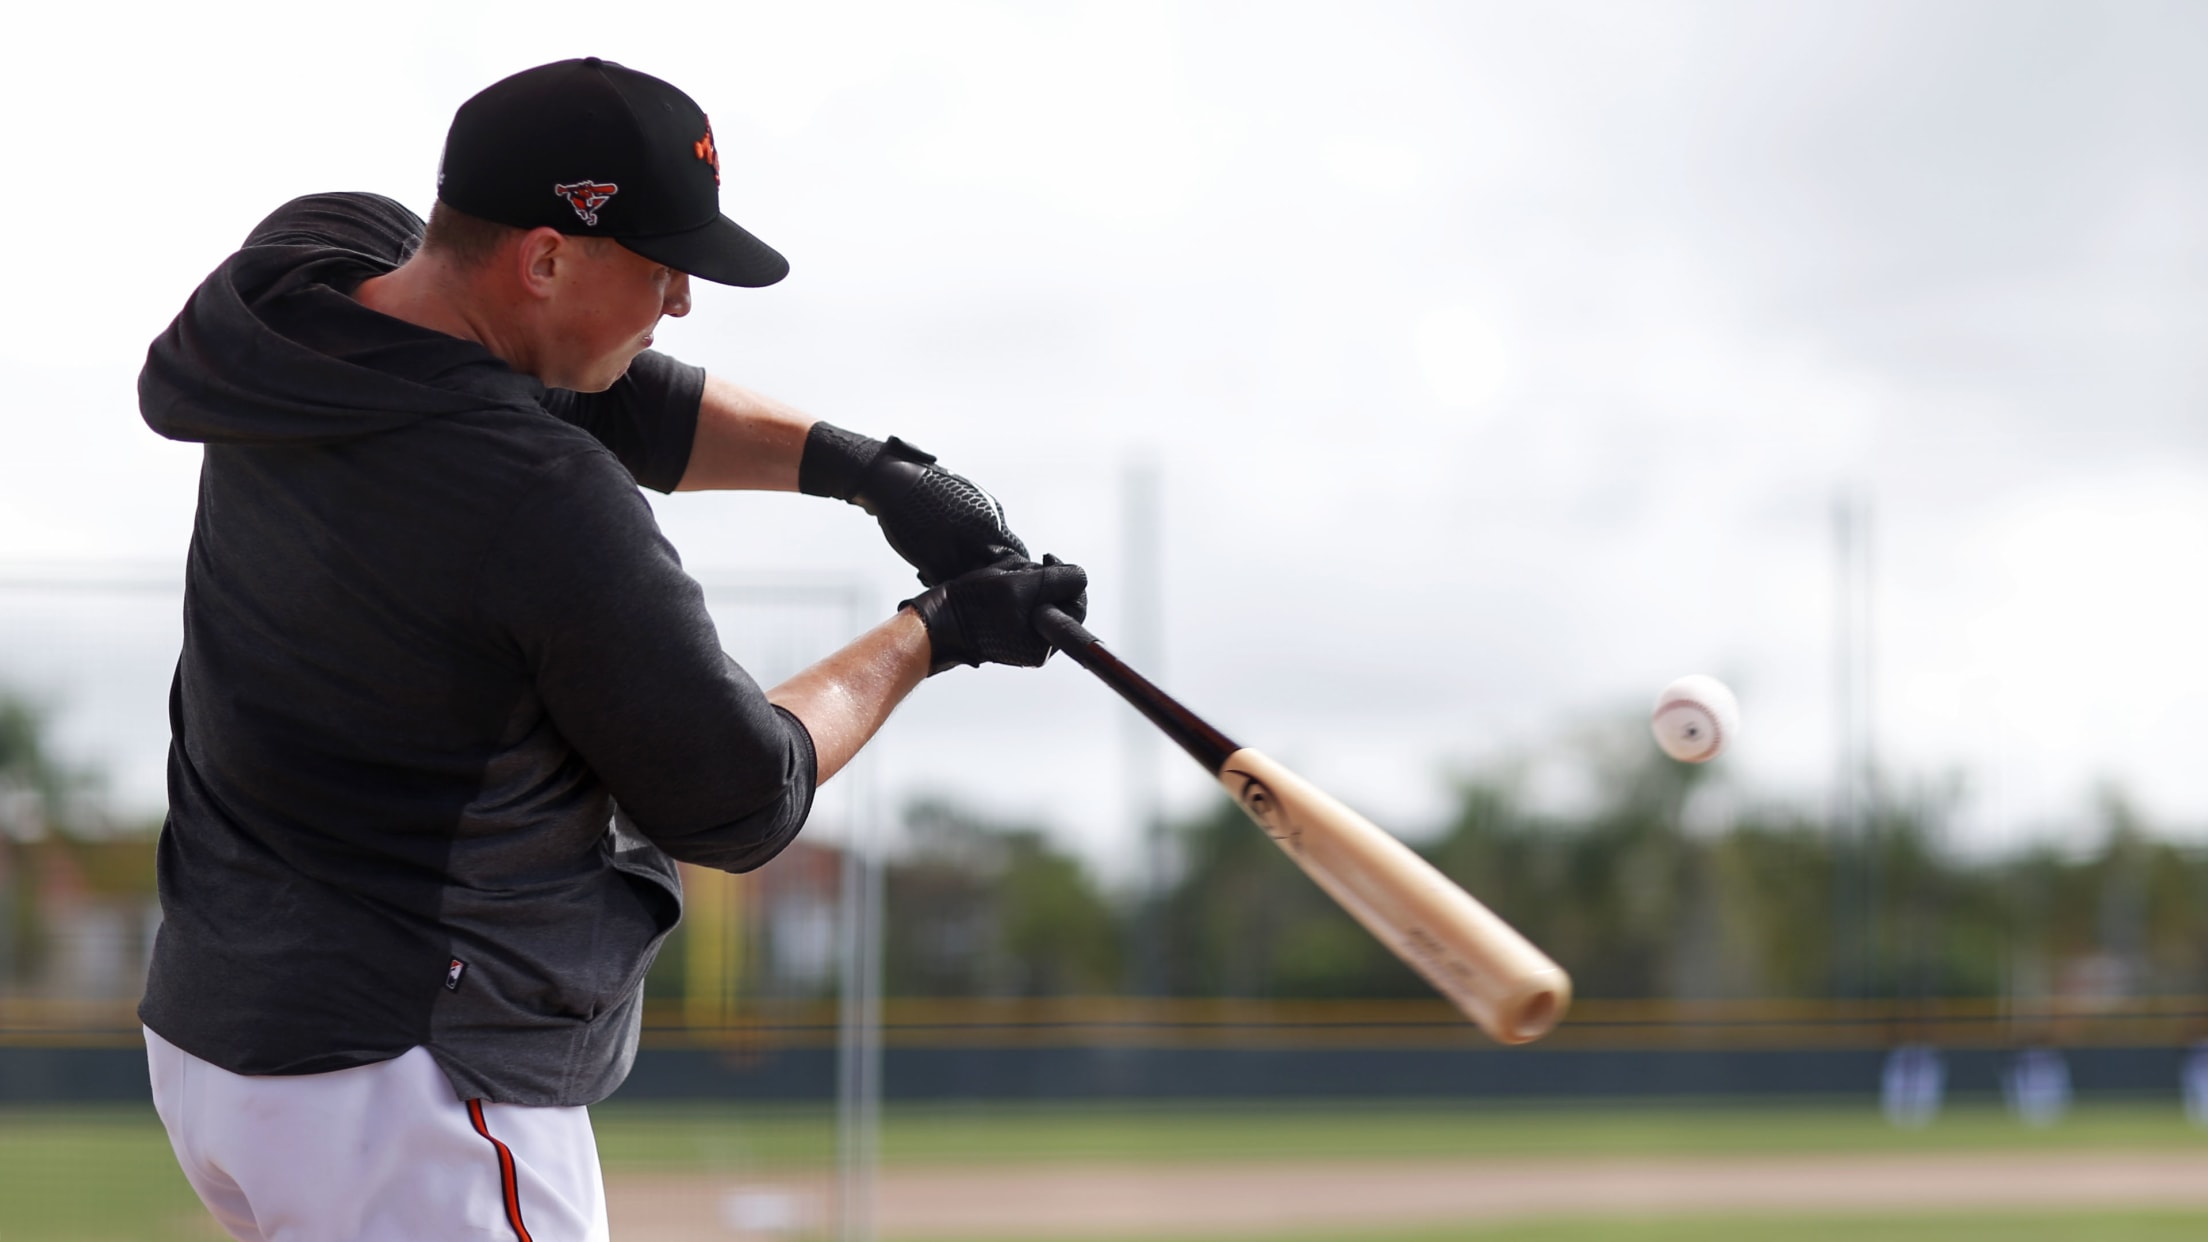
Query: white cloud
[1389, 167]
[1462, 353]
[1502, 359]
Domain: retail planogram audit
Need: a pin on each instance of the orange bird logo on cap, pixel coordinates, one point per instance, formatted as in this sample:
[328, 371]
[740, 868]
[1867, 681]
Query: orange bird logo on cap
[707, 152]
[586, 197]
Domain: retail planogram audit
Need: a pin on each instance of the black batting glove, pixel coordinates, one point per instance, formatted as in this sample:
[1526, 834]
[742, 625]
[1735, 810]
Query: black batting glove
[987, 616]
[941, 523]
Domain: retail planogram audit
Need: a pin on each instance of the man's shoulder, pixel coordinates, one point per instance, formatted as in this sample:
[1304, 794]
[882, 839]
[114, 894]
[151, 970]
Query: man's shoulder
[517, 454]
[357, 221]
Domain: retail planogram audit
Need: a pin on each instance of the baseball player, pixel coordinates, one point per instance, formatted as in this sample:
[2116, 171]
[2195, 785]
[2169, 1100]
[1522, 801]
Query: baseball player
[448, 708]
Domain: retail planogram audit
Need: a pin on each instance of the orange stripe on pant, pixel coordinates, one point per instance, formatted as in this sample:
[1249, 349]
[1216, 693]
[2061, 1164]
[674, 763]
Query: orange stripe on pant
[505, 1172]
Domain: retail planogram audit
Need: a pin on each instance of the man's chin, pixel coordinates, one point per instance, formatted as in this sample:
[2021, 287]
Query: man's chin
[604, 379]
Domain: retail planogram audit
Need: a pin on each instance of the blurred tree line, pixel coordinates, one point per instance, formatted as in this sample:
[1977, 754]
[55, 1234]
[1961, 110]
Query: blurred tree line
[978, 908]
[1658, 884]
[1657, 881]
[76, 887]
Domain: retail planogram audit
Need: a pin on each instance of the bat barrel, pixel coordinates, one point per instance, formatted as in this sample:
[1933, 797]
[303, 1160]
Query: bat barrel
[1497, 977]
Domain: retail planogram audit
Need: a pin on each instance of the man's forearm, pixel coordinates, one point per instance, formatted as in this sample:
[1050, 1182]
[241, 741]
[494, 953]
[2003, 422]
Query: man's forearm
[745, 441]
[846, 697]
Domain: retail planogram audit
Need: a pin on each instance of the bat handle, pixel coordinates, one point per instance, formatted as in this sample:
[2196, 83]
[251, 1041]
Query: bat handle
[1064, 633]
[1204, 744]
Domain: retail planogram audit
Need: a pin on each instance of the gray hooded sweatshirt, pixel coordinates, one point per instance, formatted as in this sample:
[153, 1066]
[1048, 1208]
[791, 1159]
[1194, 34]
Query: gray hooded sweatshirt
[432, 638]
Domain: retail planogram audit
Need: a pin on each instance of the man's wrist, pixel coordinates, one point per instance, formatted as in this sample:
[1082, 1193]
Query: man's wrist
[943, 651]
[834, 461]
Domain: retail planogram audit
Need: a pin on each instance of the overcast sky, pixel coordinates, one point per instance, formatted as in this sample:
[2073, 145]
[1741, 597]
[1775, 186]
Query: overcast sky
[1500, 362]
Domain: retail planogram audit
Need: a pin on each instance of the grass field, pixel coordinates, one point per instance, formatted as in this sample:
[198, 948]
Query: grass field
[687, 1135]
[2061, 1227]
[106, 1174]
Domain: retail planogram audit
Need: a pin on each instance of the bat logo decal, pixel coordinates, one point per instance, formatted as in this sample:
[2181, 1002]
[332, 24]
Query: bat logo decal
[1439, 961]
[1260, 805]
[586, 197]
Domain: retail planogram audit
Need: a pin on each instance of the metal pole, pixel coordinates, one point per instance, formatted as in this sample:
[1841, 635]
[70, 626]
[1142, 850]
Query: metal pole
[1869, 828]
[859, 1008]
[858, 916]
[1842, 830]
[1855, 846]
[876, 873]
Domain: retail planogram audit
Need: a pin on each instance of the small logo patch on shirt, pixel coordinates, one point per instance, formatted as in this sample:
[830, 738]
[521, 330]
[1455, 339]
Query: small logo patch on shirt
[453, 973]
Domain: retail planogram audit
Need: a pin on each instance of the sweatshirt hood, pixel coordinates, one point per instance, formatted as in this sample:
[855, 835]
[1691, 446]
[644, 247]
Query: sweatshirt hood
[272, 348]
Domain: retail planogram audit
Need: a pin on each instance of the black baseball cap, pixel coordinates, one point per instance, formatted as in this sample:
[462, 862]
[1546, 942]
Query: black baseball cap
[592, 148]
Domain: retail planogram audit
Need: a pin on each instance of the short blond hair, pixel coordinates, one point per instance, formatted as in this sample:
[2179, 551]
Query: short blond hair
[465, 240]
[471, 241]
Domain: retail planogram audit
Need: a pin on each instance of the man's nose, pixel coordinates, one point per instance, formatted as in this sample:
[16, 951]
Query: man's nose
[678, 296]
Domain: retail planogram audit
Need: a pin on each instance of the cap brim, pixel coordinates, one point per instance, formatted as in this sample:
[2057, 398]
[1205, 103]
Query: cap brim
[721, 252]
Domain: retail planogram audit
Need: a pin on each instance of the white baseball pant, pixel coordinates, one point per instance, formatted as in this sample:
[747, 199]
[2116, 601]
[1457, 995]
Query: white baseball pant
[377, 1153]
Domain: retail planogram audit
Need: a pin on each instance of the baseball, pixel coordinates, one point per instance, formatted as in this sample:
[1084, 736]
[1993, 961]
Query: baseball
[1696, 718]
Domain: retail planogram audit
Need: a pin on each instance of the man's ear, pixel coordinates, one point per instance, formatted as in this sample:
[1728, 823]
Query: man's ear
[536, 259]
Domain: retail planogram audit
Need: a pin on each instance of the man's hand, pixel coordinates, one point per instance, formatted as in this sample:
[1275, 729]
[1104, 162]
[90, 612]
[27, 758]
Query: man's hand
[941, 523]
[987, 616]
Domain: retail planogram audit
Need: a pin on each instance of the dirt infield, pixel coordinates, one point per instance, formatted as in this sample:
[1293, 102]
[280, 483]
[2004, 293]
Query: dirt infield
[1133, 1200]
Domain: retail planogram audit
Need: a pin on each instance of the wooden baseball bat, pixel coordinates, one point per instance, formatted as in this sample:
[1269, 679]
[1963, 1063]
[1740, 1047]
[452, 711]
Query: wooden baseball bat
[1478, 961]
